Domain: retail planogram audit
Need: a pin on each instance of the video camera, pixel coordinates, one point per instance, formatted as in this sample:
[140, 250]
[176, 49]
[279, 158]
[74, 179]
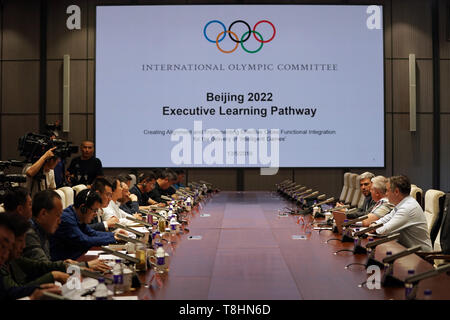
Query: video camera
[6, 180]
[32, 146]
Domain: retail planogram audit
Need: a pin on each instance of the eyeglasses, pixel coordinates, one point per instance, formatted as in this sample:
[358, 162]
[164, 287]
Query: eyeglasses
[94, 210]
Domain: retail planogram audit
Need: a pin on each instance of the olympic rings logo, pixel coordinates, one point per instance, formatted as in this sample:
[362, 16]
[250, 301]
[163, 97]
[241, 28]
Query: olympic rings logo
[233, 36]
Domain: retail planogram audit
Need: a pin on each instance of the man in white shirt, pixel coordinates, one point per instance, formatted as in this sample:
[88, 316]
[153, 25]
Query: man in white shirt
[407, 218]
[113, 210]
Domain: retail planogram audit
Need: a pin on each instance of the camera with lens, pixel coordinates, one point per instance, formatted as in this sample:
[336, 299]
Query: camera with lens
[32, 146]
[7, 180]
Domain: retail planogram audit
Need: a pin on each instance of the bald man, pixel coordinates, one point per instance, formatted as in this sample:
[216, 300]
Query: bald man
[85, 168]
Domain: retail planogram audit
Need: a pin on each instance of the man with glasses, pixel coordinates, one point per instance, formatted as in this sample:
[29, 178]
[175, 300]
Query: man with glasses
[74, 237]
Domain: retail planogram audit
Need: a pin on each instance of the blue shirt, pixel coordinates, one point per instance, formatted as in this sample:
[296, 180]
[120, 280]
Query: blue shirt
[73, 238]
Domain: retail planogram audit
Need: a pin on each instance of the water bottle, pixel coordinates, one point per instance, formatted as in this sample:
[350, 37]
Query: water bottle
[160, 259]
[388, 254]
[409, 286]
[427, 295]
[173, 226]
[188, 204]
[117, 272]
[101, 291]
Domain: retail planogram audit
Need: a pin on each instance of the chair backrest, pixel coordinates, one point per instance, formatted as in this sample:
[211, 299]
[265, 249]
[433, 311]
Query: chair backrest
[78, 188]
[417, 193]
[432, 206]
[63, 197]
[357, 194]
[443, 238]
[345, 187]
[69, 193]
[133, 180]
[352, 187]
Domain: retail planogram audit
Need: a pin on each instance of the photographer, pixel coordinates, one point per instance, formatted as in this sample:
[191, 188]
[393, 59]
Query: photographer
[40, 175]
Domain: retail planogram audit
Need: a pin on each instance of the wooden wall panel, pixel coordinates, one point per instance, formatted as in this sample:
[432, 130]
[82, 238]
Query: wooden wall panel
[329, 181]
[225, 179]
[13, 127]
[411, 29]
[413, 150]
[445, 152]
[388, 78]
[21, 24]
[444, 21]
[20, 87]
[445, 85]
[254, 181]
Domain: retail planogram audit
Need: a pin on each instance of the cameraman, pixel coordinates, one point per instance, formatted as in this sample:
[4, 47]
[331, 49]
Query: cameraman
[40, 175]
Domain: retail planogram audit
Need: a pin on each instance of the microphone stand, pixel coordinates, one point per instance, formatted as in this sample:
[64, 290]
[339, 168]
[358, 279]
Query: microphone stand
[414, 280]
[370, 248]
[358, 249]
[389, 280]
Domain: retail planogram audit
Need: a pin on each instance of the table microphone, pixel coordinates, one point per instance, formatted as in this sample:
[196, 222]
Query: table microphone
[325, 201]
[392, 237]
[401, 254]
[128, 239]
[360, 233]
[339, 208]
[304, 192]
[389, 280]
[94, 275]
[138, 233]
[120, 255]
[311, 195]
[350, 222]
[414, 280]
[144, 223]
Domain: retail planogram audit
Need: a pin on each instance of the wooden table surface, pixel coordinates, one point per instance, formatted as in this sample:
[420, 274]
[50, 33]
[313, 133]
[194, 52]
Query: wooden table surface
[247, 252]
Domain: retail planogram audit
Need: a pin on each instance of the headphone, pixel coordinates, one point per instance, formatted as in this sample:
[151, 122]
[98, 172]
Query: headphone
[83, 207]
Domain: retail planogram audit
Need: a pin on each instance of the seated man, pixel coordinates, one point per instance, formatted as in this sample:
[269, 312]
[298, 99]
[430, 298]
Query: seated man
[10, 224]
[18, 200]
[40, 175]
[74, 237]
[162, 184]
[180, 179]
[128, 202]
[47, 210]
[113, 210]
[382, 205]
[104, 188]
[19, 271]
[365, 183]
[145, 184]
[407, 217]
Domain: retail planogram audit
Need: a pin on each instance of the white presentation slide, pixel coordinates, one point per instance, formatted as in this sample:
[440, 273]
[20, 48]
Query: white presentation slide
[239, 86]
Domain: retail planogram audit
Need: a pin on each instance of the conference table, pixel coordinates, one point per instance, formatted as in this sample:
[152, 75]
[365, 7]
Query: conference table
[248, 251]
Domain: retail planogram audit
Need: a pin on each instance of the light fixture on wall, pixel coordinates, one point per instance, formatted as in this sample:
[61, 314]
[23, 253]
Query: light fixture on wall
[412, 92]
[66, 93]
